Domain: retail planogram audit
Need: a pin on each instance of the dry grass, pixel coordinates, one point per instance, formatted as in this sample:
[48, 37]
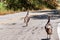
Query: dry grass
[11, 11]
[7, 12]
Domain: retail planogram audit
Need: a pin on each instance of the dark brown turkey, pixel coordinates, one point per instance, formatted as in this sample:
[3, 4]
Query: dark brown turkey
[48, 28]
[27, 18]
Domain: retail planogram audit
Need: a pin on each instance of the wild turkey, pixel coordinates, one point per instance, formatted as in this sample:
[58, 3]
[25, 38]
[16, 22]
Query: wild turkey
[27, 18]
[48, 28]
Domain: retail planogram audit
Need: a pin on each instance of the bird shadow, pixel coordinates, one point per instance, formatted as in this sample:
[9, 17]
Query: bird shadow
[24, 26]
[13, 23]
[45, 39]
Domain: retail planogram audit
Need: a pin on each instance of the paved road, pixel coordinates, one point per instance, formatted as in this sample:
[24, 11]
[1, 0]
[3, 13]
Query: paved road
[11, 27]
[58, 30]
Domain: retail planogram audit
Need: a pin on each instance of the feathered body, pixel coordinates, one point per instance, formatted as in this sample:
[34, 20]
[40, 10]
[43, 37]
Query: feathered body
[26, 18]
[48, 28]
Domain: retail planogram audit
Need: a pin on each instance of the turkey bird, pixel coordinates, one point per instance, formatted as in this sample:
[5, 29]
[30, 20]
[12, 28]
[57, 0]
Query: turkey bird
[48, 28]
[27, 18]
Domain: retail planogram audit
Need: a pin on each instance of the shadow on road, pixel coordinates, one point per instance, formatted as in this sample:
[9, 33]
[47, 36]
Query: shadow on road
[52, 11]
[41, 11]
[45, 39]
[55, 14]
[40, 17]
[45, 17]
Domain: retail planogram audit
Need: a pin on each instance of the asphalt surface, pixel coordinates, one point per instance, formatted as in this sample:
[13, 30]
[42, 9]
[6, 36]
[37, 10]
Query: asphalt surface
[12, 27]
